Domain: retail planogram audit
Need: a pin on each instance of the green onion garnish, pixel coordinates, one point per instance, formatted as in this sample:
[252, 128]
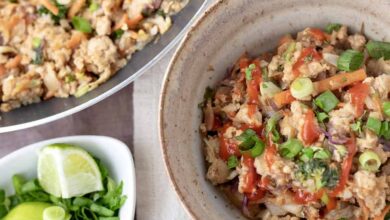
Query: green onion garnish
[332, 27]
[289, 52]
[232, 162]
[258, 149]
[370, 161]
[93, 6]
[322, 154]
[350, 60]
[374, 125]
[306, 154]
[386, 108]
[378, 49]
[322, 116]
[36, 42]
[385, 130]
[290, 148]
[327, 101]
[248, 71]
[269, 89]
[250, 143]
[301, 87]
[81, 24]
[118, 33]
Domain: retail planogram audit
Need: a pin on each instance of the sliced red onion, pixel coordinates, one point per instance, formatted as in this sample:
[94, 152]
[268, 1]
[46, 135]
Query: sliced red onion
[332, 140]
[385, 143]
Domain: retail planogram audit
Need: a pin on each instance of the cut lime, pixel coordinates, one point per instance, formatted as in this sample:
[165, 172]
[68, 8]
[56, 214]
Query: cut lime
[28, 211]
[68, 171]
[54, 213]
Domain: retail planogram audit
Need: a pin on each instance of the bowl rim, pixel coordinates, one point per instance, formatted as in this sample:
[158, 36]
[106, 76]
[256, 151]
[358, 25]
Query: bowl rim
[119, 145]
[210, 10]
[114, 89]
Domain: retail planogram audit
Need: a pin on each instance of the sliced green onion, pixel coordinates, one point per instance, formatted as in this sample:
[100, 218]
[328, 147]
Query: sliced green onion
[269, 89]
[322, 116]
[301, 87]
[248, 71]
[370, 161]
[36, 42]
[81, 24]
[272, 122]
[374, 125]
[306, 154]
[332, 27]
[247, 139]
[341, 149]
[81, 201]
[232, 162]
[350, 60]
[290, 148]
[386, 108]
[101, 210]
[93, 6]
[264, 73]
[289, 52]
[385, 130]
[327, 101]
[378, 49]
[118, 33]
[258, 149]
[357, 127]
[322, 154]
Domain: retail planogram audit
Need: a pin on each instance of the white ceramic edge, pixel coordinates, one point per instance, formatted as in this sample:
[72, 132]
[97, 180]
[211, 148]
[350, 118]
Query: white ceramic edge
[131, 183]
[113, 90]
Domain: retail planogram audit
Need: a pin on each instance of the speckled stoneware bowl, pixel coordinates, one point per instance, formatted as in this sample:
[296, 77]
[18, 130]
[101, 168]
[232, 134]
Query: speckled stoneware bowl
[228, 29]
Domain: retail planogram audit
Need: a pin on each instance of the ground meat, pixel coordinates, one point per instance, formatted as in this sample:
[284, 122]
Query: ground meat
[379, 85]
[243, 116]
[340, 121]
[357, 41]
[218, 172]
[371, 190]
[103, 26]
[368, 141]
[377, 67]
[281, 170]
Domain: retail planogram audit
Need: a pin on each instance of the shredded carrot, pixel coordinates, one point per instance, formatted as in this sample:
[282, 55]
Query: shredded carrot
[2, 70]
[131, 23]
[283, 98]
[383, 213]
[340, 80]
[14, 62]
[75, 8]
[335, 82]
[75, 40]
[50, 6]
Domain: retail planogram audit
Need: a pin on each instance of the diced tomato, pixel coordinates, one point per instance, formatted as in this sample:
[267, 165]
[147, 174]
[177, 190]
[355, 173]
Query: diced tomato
[318, 34]
[310, 131]
[251, 175]
[253, 85]
[243, 63]
[258, 194]
[252, 108]
[305, 53]
[227, 147]
[345, 168]
[302, 197]
[359, 93]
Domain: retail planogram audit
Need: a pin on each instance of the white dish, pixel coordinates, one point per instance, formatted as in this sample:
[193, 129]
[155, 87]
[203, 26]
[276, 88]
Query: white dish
[112, 152]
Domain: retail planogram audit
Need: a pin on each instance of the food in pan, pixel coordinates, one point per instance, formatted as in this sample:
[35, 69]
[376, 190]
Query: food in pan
[62, 48]
[303, 132]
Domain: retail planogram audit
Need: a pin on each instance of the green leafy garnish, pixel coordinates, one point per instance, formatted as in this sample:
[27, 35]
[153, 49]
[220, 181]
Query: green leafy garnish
[250, 143]
[377, 49]
[81, 24]
[374, 125]
[332, 27]
[290, 148]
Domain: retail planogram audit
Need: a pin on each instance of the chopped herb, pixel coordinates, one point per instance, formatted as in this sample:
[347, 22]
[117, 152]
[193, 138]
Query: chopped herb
[117, 34]
[290, 148]
[322, 116]
[332, 27]
[70, 78]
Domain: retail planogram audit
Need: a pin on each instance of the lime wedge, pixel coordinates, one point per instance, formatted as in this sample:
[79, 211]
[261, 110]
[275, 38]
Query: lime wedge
[54, 213]
[68, 171]
[28, 211]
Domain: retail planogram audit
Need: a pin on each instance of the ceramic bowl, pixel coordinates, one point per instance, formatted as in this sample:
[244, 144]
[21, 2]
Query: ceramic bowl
[112, 152]
[228, 29]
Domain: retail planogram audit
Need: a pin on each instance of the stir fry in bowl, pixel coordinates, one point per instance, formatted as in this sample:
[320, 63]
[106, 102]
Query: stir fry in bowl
[62, 48]
[304, 132]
